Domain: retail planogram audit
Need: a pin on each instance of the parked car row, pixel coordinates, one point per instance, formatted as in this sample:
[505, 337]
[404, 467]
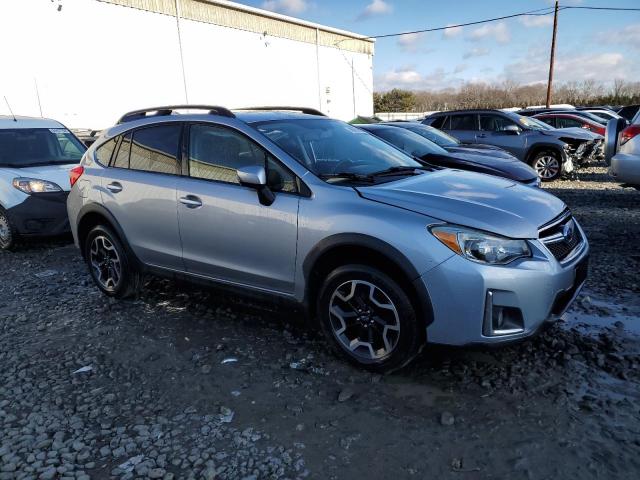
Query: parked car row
[551, 152]
[364, 230]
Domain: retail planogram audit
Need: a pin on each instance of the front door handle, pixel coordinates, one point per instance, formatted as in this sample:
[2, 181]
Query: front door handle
[114, 187]
[191, 201]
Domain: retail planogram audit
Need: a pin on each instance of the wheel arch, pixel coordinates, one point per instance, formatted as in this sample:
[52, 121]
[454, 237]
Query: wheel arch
[94, 214]
[343, 249]
[543, 147]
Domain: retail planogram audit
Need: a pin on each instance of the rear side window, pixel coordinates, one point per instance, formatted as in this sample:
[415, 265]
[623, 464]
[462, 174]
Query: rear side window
[104, 151]
[155, 149]
[565, 122]
[494, 123]
[439, 122]
[121, 159]
[463, 122]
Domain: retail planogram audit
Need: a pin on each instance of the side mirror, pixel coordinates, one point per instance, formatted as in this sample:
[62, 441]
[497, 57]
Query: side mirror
[511, 130]
[255, 176]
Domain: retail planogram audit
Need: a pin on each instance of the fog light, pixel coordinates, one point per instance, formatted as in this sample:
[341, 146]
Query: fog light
[501, 320]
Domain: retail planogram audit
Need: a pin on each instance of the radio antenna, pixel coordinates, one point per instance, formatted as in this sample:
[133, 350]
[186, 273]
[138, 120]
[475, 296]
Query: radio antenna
[7, 102]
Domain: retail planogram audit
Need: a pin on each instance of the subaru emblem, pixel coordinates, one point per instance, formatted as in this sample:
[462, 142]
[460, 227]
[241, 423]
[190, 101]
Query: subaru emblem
[567, 231]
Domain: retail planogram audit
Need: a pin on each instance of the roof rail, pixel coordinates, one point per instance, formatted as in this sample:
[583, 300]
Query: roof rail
[168, 110]
[305, 110]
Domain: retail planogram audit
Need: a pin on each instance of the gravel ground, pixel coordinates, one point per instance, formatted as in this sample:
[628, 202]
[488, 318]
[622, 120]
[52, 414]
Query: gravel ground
[186, 382]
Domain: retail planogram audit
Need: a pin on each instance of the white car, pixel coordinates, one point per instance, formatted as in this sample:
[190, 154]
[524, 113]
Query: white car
[622, 151]
[36, 156]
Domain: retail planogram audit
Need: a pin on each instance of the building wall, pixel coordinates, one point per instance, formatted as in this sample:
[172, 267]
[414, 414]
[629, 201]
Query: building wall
[94, 60]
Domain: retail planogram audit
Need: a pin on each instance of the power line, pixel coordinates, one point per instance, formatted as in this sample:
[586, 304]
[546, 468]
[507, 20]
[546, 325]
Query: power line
[534, 13]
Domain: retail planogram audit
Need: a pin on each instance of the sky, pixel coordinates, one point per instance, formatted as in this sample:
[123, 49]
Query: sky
[591, 45]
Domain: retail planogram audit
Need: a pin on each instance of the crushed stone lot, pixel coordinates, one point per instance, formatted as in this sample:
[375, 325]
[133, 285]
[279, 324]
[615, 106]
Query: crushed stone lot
[189, 382]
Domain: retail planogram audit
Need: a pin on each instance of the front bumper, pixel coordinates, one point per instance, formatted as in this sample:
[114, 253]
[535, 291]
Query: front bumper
[463, 293]
[43, 214]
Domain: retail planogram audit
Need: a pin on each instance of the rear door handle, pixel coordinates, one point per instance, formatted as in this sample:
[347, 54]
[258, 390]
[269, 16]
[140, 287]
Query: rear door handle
[114, 187]
[191, 201]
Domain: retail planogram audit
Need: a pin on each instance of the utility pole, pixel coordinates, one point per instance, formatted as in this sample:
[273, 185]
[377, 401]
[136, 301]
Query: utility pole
[553, 54]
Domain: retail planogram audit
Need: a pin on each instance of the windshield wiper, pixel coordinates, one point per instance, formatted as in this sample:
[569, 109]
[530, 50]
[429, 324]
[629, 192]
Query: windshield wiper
[399, 170]
[349, 176]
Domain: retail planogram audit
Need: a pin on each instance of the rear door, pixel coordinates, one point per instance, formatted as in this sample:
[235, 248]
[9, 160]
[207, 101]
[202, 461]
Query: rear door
[227, 234]
[463, 126]
[493, 131]
[139, 189]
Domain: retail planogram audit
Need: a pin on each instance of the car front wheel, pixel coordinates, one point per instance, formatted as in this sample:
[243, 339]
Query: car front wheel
[368, 318]
[547, 165]
[112, 270]
[7, 233]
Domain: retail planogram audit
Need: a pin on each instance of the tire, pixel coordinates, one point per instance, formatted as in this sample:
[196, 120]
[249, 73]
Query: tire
[547, 165]
[386, 335]
[8, 235]
[111, 268]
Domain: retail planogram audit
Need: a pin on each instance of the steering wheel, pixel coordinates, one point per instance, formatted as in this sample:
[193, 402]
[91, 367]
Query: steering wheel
[347, 163]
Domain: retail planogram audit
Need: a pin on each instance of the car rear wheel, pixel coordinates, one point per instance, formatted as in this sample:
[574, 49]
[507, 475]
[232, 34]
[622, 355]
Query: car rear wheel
[368, 318]
[112, 270]
[547, 165]
[7, 232]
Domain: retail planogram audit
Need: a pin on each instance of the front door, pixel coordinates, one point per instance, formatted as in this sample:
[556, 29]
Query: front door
[227, 234]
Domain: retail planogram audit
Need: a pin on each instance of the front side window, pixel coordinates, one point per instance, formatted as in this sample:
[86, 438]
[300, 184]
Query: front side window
[30, 147]
[330, 147]
[494, 123]
[216, 153]
[155, 149]
[464, 122]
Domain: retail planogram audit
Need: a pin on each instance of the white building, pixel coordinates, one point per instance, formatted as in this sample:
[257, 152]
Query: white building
[85, 62]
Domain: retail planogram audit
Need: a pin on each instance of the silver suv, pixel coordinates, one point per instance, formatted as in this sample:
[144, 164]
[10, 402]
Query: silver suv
[382, 251]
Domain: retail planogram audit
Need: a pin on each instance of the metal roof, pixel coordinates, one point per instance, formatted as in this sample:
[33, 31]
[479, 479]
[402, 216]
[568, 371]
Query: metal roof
[7, 122]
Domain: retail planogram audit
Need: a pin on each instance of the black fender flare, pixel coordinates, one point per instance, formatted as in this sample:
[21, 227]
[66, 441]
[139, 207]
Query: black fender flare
[538, 146]
[372, 243]
[96, 208]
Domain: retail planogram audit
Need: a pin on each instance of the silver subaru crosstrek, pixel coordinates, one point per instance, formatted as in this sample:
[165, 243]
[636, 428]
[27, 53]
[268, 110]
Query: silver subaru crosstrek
[386, 253]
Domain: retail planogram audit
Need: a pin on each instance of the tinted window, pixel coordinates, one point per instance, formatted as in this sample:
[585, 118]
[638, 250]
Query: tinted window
[438, 122]
[155, 149]
[121, 159]
[494, 123]
[463, 122]
[410, 142]
[104, 151]
[568, 122]
[436, 136]
[216, 153]
[24, 147]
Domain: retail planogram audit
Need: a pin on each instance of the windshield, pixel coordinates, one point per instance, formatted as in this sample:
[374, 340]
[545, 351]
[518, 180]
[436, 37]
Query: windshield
[436, 136]
[330, 147]
[409, 142]
[528, 122]
[30, 147]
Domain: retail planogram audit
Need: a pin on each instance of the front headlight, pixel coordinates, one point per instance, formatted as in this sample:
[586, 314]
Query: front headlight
[479, 246]
[33, 185]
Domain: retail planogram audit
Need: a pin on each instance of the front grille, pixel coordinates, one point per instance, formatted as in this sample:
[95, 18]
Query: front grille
[561, 236]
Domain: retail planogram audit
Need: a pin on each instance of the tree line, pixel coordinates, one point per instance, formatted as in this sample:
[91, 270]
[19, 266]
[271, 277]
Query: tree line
[507, 94]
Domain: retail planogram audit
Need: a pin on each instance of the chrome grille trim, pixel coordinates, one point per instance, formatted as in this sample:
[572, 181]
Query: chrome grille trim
[553, 238]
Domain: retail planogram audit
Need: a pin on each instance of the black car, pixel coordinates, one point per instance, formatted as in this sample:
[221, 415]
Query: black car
[420, 147]
[629, 112]
[452, 144]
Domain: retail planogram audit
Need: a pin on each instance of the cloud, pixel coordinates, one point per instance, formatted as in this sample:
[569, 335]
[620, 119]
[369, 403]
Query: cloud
[573, 66]
[498, 31]
[409, 78]
[476, 52]
[376, 7]
[414, 43]
[532, 21]
[285, 6]
[451, 32]
[628, 36]
[460, 68]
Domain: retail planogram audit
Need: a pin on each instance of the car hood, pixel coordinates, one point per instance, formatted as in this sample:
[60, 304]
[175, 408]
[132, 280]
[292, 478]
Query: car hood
[581, 132]
[480, 149]
[471, 199]
[58, 174]
[572, 132]
[486, 162]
